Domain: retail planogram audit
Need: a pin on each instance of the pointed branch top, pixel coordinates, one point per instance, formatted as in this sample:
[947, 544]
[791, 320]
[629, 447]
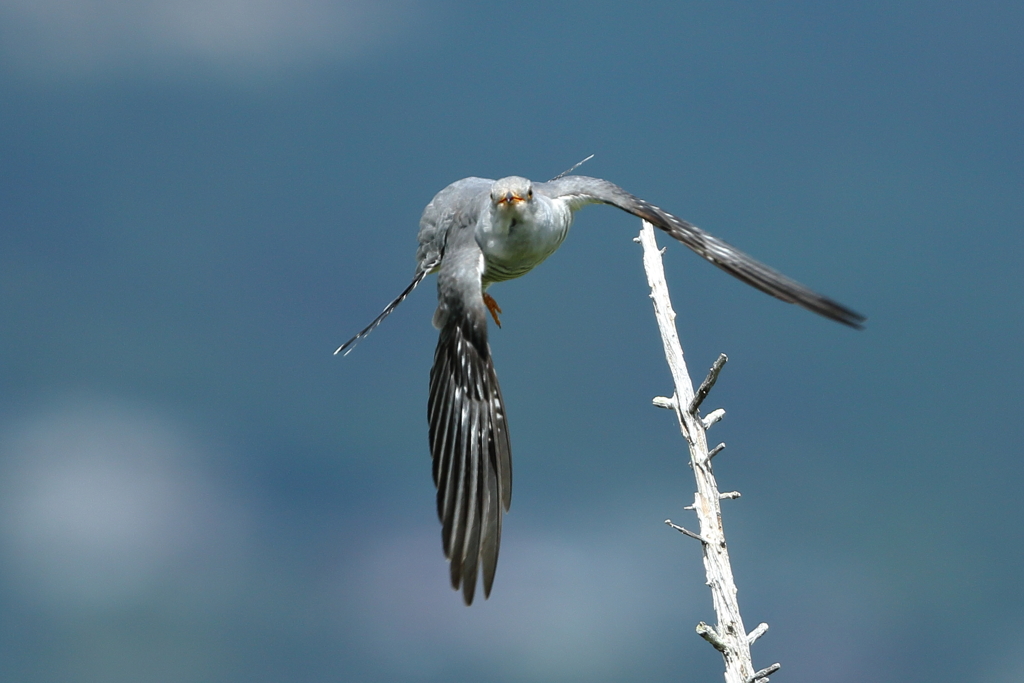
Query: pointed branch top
[709, 381]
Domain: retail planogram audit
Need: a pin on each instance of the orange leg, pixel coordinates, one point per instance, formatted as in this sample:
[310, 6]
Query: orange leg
[493, 307]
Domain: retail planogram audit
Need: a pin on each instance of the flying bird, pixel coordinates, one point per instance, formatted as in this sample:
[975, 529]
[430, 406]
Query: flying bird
[476, 232]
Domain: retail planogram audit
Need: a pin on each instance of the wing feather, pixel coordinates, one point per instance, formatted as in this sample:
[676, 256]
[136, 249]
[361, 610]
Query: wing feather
[581, 190]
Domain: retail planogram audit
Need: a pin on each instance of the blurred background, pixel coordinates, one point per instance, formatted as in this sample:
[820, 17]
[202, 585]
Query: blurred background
[199, 201]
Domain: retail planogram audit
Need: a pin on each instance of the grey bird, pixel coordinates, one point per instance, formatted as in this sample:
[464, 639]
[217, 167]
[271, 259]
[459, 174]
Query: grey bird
[474, 233]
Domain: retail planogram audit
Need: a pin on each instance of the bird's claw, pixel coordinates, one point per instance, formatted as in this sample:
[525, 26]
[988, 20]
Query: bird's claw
[493, 307]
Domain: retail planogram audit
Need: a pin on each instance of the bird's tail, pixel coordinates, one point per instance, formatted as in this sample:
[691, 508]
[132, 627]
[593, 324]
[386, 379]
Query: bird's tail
[351, 343]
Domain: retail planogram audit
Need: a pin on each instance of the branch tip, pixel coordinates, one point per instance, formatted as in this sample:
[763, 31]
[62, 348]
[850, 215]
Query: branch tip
[709, 381]
[729, 495]
[709, 634]
[764, 673]
[685, 531]
[712, 417]
[667, 402]
[716, 450]
[757, 632]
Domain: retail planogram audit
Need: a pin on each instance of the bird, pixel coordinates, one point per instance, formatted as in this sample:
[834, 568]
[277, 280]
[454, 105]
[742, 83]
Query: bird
[474, 233]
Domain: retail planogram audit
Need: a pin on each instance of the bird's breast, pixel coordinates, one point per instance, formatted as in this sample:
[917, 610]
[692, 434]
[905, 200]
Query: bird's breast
[515, 248]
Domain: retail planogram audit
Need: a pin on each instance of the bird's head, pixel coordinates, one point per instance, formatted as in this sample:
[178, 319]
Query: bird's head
[511, 193]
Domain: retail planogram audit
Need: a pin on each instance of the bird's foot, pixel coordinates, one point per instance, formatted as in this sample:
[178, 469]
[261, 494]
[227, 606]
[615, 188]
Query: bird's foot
[493, 307]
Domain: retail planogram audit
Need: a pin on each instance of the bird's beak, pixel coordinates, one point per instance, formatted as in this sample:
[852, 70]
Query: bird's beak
[510, 198]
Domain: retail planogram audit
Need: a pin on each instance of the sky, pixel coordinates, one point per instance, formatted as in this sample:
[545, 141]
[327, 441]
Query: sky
[199, 201]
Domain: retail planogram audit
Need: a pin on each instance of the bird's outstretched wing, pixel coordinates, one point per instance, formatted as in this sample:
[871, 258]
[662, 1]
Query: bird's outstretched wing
[345, 348]
[582, 190]
[469, 440]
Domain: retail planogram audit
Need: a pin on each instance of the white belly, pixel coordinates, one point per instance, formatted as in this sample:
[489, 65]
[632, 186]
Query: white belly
[514, 250]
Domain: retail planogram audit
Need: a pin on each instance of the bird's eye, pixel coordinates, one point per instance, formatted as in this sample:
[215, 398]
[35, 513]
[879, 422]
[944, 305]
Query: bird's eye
[529, 194]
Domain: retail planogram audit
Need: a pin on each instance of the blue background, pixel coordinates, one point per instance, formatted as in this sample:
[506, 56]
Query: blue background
[192, 488]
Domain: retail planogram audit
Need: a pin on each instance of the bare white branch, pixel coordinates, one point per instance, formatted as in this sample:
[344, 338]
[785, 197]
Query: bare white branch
[730, 637]
[684, 531]
[762, 675]
[712, 417]
[664, 402]
[729, 495]
[757, 632]
[711, 635]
